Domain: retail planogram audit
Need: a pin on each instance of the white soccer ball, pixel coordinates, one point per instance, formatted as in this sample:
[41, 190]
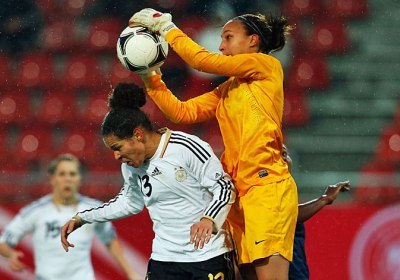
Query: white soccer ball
[141, 50]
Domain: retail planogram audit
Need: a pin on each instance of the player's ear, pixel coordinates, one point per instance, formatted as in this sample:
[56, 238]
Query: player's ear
[254, 40]
[138, 134]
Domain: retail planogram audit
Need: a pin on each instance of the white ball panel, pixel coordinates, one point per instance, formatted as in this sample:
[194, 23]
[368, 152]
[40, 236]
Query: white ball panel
[143, 50]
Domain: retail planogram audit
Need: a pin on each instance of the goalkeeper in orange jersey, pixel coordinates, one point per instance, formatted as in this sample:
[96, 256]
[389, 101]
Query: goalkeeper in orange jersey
[249, 109]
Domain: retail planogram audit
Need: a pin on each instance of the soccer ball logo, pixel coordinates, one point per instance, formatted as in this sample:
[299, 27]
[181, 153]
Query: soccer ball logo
[140, 50]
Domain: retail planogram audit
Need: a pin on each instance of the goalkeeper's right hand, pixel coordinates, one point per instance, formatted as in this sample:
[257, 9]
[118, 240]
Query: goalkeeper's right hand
[153, 20]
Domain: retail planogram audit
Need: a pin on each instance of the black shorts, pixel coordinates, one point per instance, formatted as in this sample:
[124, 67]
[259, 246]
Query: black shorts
[217, 268]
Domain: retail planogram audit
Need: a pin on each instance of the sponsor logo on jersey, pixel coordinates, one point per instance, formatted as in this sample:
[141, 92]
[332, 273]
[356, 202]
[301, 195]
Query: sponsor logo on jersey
[263, 173]
[156, 172]
[258, 242]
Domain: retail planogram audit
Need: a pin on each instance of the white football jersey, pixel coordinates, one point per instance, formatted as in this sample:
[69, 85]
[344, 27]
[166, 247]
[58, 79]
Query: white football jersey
[44, 220]
[183, 182]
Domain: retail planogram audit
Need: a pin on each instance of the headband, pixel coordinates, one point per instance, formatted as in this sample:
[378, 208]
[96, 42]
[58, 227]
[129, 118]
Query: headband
[253, 27]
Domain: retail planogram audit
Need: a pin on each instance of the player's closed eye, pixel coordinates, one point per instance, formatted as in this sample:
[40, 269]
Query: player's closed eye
[72, 173]
[116, 148]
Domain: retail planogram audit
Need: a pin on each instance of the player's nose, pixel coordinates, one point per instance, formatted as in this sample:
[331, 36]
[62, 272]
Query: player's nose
[221, 47]
[117, 155]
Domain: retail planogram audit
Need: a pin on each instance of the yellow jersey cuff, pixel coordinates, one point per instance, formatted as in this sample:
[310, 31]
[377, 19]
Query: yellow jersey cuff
[172, 34]
[155, 81]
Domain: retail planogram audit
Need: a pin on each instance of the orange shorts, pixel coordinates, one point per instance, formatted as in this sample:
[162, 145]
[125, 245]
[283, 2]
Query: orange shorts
[263, 221]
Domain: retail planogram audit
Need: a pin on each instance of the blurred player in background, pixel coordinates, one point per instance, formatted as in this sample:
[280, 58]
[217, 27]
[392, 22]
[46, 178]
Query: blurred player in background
[44, 218]
[298, 269]
[182, 184]
[249, 109]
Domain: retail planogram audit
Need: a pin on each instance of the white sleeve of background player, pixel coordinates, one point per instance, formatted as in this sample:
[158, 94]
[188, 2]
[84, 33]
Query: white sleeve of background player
[208, 169]
[129, 201]
[22, 224]
[105, 232]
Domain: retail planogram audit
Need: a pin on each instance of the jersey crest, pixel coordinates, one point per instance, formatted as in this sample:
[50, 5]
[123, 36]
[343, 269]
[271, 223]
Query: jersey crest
[180, 175]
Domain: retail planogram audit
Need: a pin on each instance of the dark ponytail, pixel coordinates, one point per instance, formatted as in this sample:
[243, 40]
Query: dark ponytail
[125, 114]
[272, 30]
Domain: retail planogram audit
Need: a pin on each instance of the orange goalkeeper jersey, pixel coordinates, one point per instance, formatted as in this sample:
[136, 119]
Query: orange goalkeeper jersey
[248, 107]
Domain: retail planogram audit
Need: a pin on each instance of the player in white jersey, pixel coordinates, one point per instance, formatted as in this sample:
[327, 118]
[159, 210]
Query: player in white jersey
[182, 184]
[44, 218]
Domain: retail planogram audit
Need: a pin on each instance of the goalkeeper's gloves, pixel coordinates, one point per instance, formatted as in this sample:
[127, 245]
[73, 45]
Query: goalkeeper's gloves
[153, 20]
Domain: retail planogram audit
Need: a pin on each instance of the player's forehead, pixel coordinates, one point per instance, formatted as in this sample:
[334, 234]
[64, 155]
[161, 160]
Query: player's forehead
[112, 141]
[234, 26]
[66, 166]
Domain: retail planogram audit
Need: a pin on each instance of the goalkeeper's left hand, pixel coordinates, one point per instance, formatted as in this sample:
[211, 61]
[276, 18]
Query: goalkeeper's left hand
[153, 20]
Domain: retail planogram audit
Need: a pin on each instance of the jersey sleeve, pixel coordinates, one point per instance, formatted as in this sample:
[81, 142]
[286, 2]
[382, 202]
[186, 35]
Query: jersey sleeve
[208, 170]
[129, 201]
[250, 65]
[22, 224]
[105, 232]
[195, 110]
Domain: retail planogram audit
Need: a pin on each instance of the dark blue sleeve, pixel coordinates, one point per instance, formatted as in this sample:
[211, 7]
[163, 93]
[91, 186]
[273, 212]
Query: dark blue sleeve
[298, 269]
